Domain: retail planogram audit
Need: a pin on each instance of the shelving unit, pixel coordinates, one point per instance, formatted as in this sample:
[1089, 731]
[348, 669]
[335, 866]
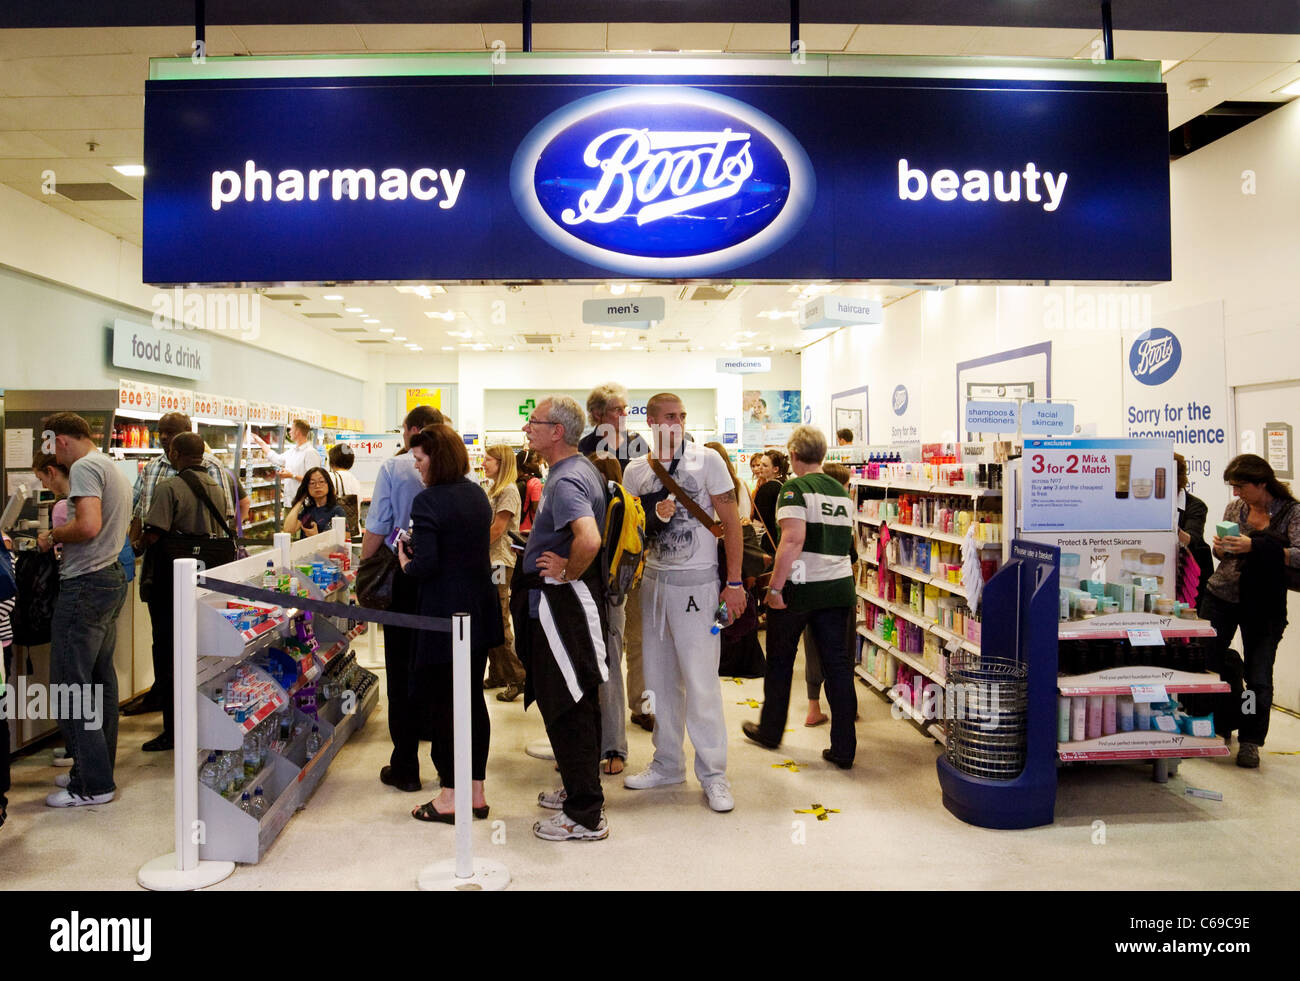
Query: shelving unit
[289, 778]
[949, 639]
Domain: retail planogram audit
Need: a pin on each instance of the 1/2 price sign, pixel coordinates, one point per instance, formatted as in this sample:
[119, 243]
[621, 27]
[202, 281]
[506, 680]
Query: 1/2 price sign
[1099, 485]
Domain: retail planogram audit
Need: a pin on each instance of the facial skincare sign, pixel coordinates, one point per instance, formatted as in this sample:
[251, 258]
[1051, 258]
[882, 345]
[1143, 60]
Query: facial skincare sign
[1098, 485]
[162, 352]
[580, 177]
[1047, 418]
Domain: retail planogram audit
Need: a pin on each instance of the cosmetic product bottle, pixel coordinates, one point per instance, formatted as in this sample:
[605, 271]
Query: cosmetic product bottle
[1094, 716]
[1108, 715]
[1063, 708]
[1123, 465]
[1142, 716]
[1124, 708]
[1161, 478]
[1078, 718]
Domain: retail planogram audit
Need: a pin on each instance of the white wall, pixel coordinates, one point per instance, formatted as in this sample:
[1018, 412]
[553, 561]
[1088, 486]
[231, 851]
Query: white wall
[475, 372]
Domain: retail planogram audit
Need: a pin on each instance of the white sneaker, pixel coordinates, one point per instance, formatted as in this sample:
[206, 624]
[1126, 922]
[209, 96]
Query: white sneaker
[63, 779]
[719, 795]
[561, 827]
[65, 798]
[650, 777]
[553, 799]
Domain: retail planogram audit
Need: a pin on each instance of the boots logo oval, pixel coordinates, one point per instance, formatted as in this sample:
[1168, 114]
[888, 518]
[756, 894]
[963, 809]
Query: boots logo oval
[662, 181]
[1155, 356]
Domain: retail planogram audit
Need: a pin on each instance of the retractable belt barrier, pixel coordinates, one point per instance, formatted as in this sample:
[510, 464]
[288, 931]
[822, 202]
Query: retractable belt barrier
[368, 614]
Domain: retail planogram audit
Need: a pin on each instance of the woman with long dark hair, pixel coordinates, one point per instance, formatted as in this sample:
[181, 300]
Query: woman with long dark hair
[449, 557]
[774, 470]
[1248, 591]
[314, 506]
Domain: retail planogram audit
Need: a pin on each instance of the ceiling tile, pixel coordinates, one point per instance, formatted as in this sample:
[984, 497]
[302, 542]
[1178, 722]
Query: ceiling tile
[20, 143]
[171, 42]
[1227, 79]
[422, 37]
[511, 34]
[113, 144]
[1028, 42]
[899, 39]
[776, 37]
[1266, 91]
[58, 42]
[569, 37]
[1252, 47]
[668, 37]
[32, 168]
[103, 74]
[32, 77]
[301, 38]
[1159, 45]
[82, 112]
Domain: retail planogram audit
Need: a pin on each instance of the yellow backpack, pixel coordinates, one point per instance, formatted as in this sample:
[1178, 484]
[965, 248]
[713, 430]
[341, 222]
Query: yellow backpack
[623, 540]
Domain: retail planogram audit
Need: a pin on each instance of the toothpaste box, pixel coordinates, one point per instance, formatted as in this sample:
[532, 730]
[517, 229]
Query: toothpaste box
[1227, 529]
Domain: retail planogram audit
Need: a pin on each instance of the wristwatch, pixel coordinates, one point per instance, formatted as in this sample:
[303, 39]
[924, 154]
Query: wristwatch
[775, 589]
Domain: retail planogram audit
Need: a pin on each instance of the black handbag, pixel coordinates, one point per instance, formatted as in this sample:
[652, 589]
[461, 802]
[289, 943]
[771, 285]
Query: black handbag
[375, 577]
[210, 552]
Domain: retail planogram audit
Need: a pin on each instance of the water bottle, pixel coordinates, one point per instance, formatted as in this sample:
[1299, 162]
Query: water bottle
[269, 577]
[208, 773]
[721, 619]
[246, 802]
[313, 743]
[250, 761]
[258, 807]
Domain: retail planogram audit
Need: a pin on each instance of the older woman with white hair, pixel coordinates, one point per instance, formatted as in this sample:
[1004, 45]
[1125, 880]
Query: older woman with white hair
[607, 410]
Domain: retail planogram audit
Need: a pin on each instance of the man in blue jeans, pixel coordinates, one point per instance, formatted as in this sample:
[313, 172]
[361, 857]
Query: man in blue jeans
[92, 589]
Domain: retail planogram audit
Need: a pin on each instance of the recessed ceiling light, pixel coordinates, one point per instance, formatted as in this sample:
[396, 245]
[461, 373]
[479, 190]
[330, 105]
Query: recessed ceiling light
[353, 310]
[1291, 88]
[399, 338]
[386, 330]
[447, 315]
[130, 170]
[370, 320]
[448, 347]
[333, 297]
[618, 289]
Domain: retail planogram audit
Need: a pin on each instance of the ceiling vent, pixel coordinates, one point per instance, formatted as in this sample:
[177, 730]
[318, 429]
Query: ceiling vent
[371, 342]
[349, 330]
[537, 339]
[286, 296]
[707, 291]
[324, 316]
[95, 191]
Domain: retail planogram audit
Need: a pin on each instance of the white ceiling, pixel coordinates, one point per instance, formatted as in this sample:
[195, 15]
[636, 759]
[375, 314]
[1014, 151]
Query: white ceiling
[63, 89]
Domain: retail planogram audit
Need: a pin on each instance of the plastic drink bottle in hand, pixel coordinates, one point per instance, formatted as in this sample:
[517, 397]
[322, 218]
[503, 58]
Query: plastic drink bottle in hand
[721, 619]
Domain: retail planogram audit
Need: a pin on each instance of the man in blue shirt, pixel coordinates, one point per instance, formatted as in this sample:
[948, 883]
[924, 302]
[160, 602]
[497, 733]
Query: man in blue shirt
[390, 508]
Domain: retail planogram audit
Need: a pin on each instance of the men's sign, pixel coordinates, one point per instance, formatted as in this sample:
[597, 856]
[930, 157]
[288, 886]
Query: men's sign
[556, 177]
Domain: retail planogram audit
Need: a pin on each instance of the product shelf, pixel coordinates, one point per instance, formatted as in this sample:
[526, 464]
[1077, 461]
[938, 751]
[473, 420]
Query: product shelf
[136, 449]
[869, 678]
[919, 619]
[258, 524]
[925, 487]
[922, 577]
[930, 533]
[1147, 745]
[913, 661]
[1115, 626]
[1119, 681]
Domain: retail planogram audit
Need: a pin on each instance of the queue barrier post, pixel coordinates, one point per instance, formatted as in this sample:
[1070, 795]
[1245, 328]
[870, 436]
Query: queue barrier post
[464, 873]
[182, 869]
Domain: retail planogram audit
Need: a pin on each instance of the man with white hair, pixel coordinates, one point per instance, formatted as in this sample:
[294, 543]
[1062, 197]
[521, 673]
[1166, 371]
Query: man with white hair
[558, 606]
[607, 410]
[679, 600]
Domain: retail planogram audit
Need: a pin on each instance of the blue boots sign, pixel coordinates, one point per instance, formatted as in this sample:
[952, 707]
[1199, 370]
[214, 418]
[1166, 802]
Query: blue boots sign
[1155, 356]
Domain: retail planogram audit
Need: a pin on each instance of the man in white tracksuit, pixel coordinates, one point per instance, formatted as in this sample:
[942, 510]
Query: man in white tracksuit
[679, 599]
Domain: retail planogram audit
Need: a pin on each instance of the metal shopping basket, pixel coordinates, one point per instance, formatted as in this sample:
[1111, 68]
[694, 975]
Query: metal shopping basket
[986, 725]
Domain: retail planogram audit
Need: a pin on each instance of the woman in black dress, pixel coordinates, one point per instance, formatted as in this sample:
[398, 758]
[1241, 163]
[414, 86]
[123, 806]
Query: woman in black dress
[449, 557]
[773, 468]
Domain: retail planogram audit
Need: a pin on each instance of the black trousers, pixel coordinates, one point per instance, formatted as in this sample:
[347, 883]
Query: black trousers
[404, 713]
[161, 609]
[434, 682]
[574, 732]
[831, 628]
[1259, 642]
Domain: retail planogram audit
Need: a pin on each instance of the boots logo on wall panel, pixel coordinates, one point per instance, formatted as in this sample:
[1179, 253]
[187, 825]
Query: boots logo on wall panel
[1155, 356]
[662, 181]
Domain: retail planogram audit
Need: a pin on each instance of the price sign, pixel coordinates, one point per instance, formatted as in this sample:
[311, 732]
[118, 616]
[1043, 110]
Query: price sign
[175, 400]
[1146, 637]
[137, 395]
[206, 404]
[234, 409]
[1149, 693]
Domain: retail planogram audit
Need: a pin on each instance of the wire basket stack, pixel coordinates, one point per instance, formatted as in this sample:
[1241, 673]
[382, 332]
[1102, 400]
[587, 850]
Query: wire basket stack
[986, 724]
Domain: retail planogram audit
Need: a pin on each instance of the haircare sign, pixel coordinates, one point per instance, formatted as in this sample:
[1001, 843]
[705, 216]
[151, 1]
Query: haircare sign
[446, 176]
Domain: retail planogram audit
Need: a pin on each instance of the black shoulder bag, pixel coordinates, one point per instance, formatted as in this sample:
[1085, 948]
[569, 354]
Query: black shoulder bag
[209, 551]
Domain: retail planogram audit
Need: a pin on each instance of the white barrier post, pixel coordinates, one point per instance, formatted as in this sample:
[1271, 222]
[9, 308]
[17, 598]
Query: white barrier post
[463, 873]
[182, 869]
[282, 541]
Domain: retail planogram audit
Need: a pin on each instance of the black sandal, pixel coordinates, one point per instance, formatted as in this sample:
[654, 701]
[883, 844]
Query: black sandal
[607, 764]
[427, 812]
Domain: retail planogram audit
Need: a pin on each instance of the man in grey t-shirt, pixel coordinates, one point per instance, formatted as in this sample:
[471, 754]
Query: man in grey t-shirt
[92, 589]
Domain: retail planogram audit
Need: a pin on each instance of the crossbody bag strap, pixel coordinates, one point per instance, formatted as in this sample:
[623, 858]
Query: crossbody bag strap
[192, 482]
[698, 513]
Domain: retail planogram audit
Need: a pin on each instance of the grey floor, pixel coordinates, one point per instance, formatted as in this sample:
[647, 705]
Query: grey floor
[1115, 828]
